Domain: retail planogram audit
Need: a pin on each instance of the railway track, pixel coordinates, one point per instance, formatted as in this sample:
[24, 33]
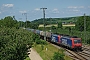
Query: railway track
[85, 55]
[79, 55]
[76, 55]
[86, 49]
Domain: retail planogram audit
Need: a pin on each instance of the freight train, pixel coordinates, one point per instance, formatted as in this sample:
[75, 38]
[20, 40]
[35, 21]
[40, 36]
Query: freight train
[74, 42]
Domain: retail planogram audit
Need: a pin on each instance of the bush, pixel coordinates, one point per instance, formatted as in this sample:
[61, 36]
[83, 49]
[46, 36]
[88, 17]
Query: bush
[58, 56]
[38, 41]
[41, 42]
[88, 41]
[13, 43]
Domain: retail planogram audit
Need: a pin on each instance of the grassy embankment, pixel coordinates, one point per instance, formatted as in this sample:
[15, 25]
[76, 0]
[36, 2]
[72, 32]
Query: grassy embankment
[47, 54]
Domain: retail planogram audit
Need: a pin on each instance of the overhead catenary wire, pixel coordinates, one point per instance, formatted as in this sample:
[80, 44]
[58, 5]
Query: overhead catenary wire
[85, 41]
[44, 21]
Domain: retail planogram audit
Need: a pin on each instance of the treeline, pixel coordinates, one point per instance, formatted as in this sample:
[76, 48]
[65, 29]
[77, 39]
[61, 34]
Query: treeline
[12, 22]
[78, 21]
[83, 22]
[55, 20]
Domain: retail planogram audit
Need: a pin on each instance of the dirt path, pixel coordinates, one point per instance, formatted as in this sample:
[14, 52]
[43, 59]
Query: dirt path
[34, 55]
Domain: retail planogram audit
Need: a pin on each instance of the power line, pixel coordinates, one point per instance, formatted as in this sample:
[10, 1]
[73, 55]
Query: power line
[26, 18]
[44, 21]
[20, 22]
[50, 24]
[85, 29]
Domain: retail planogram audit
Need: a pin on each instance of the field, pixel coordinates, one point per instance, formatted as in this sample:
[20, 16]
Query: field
[48, 51]
[48, 25]
[68, 25]
[64, 25]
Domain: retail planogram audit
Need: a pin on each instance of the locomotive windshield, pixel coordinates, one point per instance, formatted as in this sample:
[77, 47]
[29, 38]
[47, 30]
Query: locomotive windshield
[77, 41]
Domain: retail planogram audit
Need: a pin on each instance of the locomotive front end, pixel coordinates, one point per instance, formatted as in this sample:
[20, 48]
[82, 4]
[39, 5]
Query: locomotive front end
[77, 44]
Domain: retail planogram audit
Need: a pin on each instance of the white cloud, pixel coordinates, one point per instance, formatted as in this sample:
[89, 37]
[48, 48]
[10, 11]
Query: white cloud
[23, 11]
[72, 7]
[75, 7]
[74, 10]
[88, 6]
[37, 9]
[81, 7]
[55, 10]
[0, 12]
[8, 5]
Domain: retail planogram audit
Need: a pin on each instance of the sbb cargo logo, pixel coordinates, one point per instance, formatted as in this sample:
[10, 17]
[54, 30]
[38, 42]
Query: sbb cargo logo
[64, 41]
[53, 39]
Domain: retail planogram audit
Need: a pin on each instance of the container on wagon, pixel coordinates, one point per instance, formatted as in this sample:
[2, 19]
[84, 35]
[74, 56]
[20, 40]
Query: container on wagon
[48, 34]
[37, 31]
[42, 33]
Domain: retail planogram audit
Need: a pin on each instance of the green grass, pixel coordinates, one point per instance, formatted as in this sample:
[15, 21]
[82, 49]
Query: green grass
[27, 58]
[48, 55]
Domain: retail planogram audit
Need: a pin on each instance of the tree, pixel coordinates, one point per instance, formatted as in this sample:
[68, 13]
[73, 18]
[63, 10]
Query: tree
[34, 26]
[28, 24]
[9, 22]
[60, 25]
[58, 55]
[80, 23]
[53, 27]
[13, 43]
[1, 22]
[88, 23]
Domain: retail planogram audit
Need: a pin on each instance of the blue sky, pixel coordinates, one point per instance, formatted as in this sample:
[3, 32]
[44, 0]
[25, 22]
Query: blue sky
[55, 8]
